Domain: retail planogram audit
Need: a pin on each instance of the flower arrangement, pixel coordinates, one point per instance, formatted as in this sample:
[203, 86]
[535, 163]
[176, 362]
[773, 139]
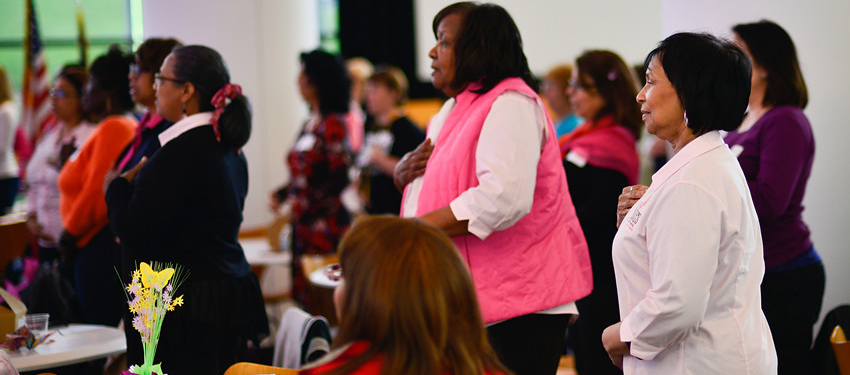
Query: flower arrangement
[150, 296]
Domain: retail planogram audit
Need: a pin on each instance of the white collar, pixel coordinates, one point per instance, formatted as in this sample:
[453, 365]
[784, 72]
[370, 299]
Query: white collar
[184, 125]
[700, 145]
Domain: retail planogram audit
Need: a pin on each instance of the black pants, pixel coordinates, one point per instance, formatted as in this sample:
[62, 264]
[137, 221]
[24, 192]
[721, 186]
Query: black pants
[530, 344]
[99, 290]
[791, 301]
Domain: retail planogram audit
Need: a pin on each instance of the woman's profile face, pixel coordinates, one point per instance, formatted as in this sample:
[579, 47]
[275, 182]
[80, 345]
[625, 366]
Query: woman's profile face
[660, 107]
[305, 88]
[758, 80]
[67, 105]
[584, 97]
[141, 85]
[443, 54]
[169, 92]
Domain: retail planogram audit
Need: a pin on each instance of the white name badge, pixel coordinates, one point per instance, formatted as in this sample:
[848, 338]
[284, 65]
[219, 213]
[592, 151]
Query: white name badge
[306, 142]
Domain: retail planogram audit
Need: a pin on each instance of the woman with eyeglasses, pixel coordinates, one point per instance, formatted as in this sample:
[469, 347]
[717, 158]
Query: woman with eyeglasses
[184, 206]
[601, 159]
[405, 304]
[149, 58]
[86, 240]
[52, 151]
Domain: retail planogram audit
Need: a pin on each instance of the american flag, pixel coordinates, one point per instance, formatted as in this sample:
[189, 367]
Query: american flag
[36, 89]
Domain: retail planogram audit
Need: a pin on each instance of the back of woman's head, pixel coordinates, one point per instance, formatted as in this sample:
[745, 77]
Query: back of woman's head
[152, 52]
[488, 48]
[613, 81]
[5, 86]
[204, 68]
[772, 48]
[109, 72]
[711, 76]
[329, 75]
[409, 294]
[560, 76]
[392, 78]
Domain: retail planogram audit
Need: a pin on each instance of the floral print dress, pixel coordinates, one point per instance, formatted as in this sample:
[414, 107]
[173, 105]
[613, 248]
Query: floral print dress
[319, 164]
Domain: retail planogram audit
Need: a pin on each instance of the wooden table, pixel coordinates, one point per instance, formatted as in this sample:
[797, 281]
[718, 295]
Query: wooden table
[73, 344]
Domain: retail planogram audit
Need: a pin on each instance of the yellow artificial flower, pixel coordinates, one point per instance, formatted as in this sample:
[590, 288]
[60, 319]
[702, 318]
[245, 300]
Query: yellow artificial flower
[150, 277]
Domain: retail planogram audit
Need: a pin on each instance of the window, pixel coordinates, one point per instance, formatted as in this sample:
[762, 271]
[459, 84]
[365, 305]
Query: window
[106, 22]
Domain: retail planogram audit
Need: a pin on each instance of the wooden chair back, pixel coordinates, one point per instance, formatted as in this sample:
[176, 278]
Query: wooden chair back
[247, 368]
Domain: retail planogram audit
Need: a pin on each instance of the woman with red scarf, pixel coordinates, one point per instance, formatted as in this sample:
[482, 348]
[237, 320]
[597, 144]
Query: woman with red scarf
[600, 159]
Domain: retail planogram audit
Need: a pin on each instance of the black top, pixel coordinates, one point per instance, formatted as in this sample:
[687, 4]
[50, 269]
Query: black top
[148, 146]
[185, 207]
[384, 198]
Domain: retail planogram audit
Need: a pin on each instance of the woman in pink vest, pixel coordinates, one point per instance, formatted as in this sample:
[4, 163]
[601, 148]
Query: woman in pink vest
[490, 175]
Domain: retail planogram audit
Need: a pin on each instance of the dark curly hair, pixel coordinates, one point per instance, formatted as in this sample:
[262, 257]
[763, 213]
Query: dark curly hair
[327, 73]
[109, 72]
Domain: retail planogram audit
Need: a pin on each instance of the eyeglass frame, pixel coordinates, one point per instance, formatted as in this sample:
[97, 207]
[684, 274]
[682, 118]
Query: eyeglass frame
[60, 94]
[158, 78]
[580, 85]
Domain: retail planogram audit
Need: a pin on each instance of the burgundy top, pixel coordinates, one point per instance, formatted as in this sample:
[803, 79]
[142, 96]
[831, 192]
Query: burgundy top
[776, 156]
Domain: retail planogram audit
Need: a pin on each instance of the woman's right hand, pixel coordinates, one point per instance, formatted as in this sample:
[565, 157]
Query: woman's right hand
[36, 229]
[627, 199]
[412, 165]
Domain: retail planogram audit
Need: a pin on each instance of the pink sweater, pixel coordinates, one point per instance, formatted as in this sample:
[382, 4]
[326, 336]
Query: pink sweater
[540, 262]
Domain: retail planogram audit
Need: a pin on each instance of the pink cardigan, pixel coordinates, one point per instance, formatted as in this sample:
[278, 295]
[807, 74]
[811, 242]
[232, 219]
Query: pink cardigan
[540, 262]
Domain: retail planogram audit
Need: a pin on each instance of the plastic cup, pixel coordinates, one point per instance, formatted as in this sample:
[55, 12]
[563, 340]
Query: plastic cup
[37, 323]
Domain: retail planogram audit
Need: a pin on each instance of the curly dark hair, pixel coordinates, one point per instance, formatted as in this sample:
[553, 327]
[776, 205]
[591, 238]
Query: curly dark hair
[330, 77]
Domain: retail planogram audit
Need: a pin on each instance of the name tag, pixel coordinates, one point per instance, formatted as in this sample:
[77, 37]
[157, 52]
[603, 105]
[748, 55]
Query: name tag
[576, 159]
[737, 150]
[306, 142]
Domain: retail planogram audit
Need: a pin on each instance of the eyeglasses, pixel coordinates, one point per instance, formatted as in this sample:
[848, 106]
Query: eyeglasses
[157, 80]
[581, 85]
[60, 94]
[333, 271]
[136, 69]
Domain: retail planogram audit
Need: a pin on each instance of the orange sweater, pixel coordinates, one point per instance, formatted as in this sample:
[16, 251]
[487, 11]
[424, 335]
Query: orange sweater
[81, 202]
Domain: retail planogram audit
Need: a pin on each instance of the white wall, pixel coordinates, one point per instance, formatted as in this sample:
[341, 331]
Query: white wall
[260, 40]
[820, 31]
[558, 31]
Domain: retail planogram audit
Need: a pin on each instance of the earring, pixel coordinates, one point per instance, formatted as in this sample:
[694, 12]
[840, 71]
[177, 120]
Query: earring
[184, 108]
[686, 118]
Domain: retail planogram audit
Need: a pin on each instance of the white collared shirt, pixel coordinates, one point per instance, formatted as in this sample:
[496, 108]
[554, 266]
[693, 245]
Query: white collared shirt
[184, 125]
[688, 260]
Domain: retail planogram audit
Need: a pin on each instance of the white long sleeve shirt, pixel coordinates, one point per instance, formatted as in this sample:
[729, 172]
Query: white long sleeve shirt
[688, 260]
[506, 159]
[8, 126]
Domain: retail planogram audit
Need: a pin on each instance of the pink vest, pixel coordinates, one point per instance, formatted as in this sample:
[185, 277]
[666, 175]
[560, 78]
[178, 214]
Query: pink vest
[540, 262]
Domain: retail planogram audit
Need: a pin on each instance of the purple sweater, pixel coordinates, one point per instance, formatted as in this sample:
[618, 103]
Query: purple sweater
[776, 156]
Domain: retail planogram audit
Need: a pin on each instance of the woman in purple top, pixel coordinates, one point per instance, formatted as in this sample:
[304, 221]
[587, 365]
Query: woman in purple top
[775, 148]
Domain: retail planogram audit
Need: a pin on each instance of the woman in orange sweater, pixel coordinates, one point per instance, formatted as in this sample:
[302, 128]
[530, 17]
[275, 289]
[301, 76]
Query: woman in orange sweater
[86, 240]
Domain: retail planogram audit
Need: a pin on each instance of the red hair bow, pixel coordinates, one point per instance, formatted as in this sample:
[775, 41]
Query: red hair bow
[219, 101]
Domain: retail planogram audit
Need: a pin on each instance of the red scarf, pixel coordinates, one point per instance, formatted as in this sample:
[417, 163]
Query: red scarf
[604, 144]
